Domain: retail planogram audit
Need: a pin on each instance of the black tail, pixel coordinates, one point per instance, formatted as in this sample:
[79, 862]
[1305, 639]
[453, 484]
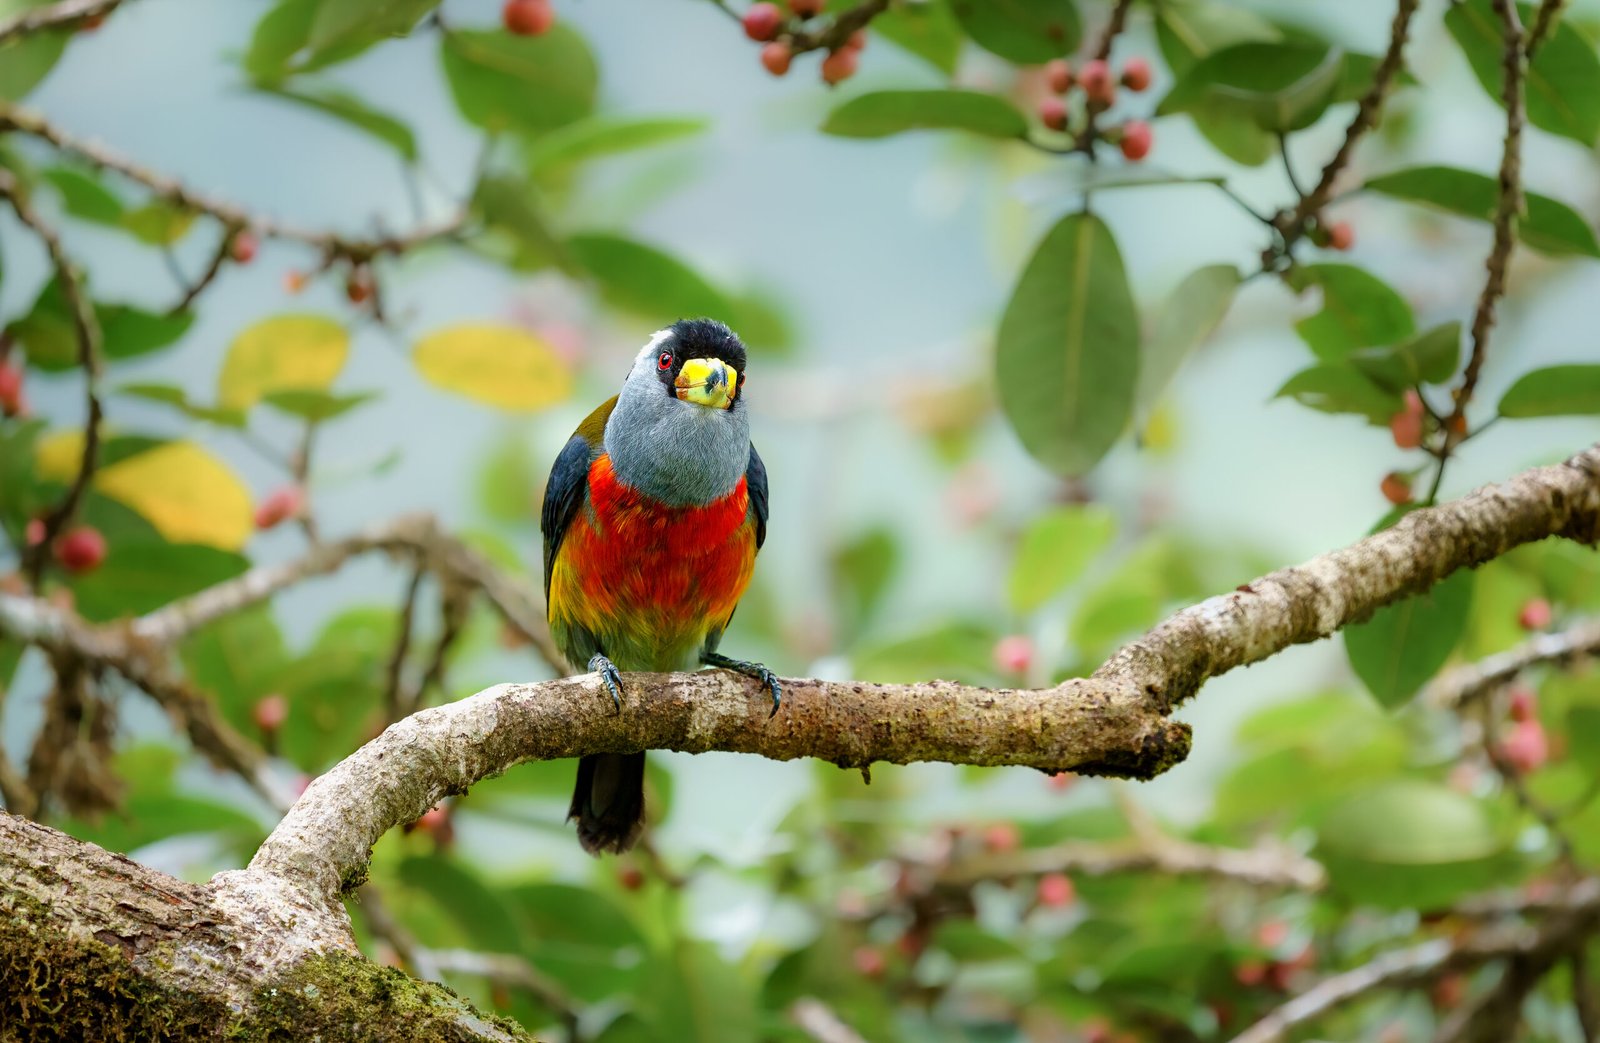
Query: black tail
[608, 802]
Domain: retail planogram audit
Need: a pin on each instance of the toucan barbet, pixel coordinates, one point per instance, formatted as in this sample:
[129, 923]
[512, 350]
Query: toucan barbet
[652, 518]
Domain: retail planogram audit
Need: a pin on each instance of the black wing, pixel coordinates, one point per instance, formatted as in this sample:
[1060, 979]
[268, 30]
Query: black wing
[564, 494]
[755, 479]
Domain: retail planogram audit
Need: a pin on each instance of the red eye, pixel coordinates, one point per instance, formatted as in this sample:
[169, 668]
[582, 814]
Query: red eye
[664, 360]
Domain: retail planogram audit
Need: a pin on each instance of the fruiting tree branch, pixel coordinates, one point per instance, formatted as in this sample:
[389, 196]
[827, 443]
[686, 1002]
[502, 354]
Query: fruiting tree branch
[1114, 722]
[234, 218]
[64, 13]
[86, 331]
[1269, 867]
[1464, 684]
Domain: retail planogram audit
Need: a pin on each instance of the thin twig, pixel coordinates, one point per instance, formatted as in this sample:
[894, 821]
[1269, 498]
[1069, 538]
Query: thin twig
[393, 701]
[1544, 23]
[454, 604]
[818, 1020]
[1466, 683]
[510, 969]
[1166, 855]
[1114, 26]
[86, 331]
[64, 13]
[219, 257]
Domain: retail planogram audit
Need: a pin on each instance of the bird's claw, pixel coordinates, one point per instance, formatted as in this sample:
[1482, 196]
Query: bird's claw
[607, 670]
[749, 669]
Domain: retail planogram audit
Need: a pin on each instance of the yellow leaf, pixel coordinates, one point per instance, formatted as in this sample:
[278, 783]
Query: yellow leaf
[186, 493]
[298, 352]
[56, 456]
[500, 365]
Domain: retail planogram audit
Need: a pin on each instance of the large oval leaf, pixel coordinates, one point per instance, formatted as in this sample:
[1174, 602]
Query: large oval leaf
[1055, 550]
[639, 278]
[186, 493]
[1067, 356]
[1562, 82]
[501, 365]
[605, 135]
[1554, 391]
[288, 352]
[1549, 225]
[1359, 310]
[532, 83]
[882, 113]
[1280, 87]
[1024, 31]
[1190, 315]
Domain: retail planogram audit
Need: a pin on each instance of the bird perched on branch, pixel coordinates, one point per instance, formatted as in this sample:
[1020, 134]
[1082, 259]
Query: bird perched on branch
[652, 518]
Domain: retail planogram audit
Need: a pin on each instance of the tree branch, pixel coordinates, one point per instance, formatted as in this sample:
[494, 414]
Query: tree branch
[1455, 688]
[1544, 23]
[1168, 856]
[64, 13]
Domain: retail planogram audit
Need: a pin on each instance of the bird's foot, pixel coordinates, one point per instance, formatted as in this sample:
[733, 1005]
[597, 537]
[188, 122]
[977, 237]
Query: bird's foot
[607, 670]
[749, 669]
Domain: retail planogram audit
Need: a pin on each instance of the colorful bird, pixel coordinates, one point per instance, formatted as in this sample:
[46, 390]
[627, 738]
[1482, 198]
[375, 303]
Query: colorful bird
[652, 518]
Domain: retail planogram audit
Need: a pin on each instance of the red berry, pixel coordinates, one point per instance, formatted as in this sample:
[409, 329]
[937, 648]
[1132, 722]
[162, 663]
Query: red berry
[1095, 79]
[1250, 973]
[1061, 781]
[294, 282]
[630, 878]
[1448, 992]
[11, 399]
[1272, 934]
[1527, 748]
[806, 8]
[1535, 615]
[776, 57]
[528, 17]
[1136, 74]
[839, 66]
[1058, 74]
[243, 248]
[762, 21]
[1053, 112]
[1396, 488]
[1136, 140]
[1407, 430]
[869, 962]
[1056, 891]
[81, 550]
[1457, 425]
[1524, 705]
[856, 41]
[270, 712]
[1341, 236]
[1002, 837]
[90, 24]
[33, 532]
[359, 286]
[435, 818]
[279, 506]
[1013, 654]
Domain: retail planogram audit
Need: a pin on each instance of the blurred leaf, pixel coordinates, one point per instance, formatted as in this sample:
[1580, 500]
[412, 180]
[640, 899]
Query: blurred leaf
[639, 278]
[1359, 310]
[1583, 738]
[138, 577]
[1561, 84]
[278, 36]
[1405, 643]
[956, 651]
[582, 939]
[602, 135]
[1055, 549]
[1280, 87]
[1067, 353]
[502, 82]
[1027, 32]
[282, 353]
[501, 365]
[83, 196]
[315, 406]
[158, 222]
[237, 659]
[970, 943]
[46, 332]
[57, 454]
[188, 494]
[27, 60]
[761, 322]
[508, 482]
[925, 30]
[485, 918]
[862, 570]
[1546, 224]
[1332, 388]
[882, 113]
[1553, 391]
[1190, 315]
[1430, 357]
[513, 207]
[334, 688]
[692, 993]
[1188, 30]
[171, 395]
[345, 22]
[153, 811]
[352, 110]
[127, 332]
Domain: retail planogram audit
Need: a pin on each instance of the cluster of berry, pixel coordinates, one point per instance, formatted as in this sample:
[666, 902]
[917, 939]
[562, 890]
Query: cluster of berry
[765, 22]
[1099, 88]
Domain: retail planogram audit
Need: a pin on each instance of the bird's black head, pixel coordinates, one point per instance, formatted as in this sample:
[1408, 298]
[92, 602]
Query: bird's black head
[698, 341]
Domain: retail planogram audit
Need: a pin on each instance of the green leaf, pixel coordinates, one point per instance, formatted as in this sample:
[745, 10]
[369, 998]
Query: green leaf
[1190, 315]
[140, 576]
[352, 110]
[602, 135]
[176, 397]
[1562, 83]
[237, 659]
[1027, 32]
[1329, 387]
[1570, 390]
[127, 332]
[1055, 549]
[503, 82]
[1280, 87]
[83, 196]
[1359, 310]
[315, 404]
[1188, 30]
[641, 279]
[508, 482]
[1430, 357]
[46, 331]
[1404, 644]
[512, 207]
[158, 222]
[582, 939]
[1067, 354]
[27, 60]
[344, 23]
[278, 36]
[1583, 737]
[959, 651]
[485, 918]
[882, 113]
[862, 570]
[692, 993]
[925, 30]
[1548, 225]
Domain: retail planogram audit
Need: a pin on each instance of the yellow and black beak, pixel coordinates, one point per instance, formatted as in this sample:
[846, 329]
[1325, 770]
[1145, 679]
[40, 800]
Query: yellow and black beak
[707, 382]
